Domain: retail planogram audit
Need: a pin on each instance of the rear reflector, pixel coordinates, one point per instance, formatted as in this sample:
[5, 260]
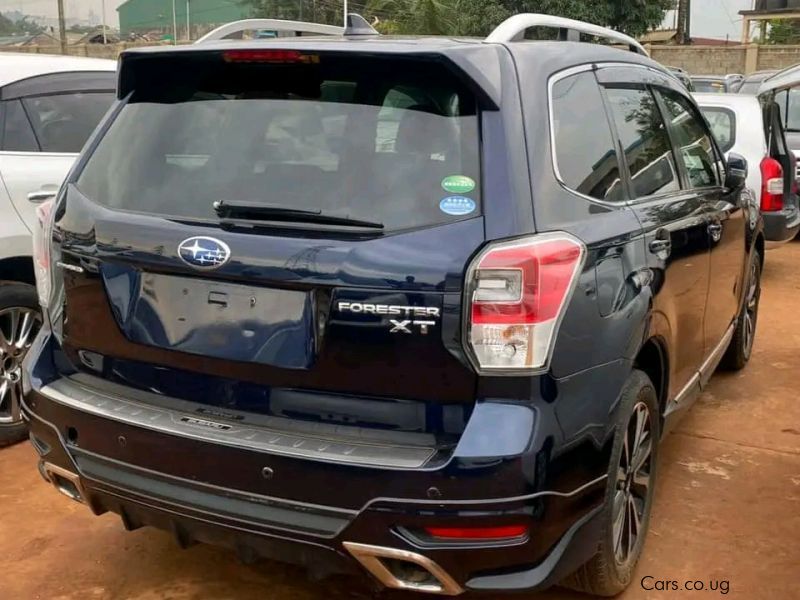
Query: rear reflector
[269, 56]
[478, 533]
[771, 185]
[517, 292]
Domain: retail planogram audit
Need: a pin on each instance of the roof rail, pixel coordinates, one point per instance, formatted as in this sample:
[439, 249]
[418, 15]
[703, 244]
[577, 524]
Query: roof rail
[513, 30]
[297, 27]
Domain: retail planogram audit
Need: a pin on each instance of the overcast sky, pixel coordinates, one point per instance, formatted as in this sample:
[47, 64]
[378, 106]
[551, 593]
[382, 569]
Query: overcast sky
[710, 18]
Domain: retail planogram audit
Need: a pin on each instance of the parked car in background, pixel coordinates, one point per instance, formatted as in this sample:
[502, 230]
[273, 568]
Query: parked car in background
[779, 95]
[442, 348]
[710, 84]
[783, 89]
[49, 105]
[752, 82]
[683, 75]
[737, 122]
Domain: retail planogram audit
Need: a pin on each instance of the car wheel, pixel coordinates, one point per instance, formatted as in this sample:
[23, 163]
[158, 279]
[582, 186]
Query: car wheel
[20, 320]
[741, 346]
[629, 492]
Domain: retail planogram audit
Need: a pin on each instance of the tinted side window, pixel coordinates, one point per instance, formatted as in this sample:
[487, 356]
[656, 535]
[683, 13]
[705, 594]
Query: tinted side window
[789, 103]
[17, 135]
[585, 155]
[63, 122]
[644, 137]
[692, 140]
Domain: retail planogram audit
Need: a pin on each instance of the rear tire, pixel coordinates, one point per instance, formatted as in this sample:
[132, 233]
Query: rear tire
[741, 346]
[629, 492]
[20, 319]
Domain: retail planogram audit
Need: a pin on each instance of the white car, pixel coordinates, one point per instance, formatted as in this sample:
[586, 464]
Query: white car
[49, 106]
[737, 121]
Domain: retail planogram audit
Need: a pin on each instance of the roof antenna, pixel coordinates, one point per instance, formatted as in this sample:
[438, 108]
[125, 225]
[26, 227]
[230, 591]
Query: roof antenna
[358, 25]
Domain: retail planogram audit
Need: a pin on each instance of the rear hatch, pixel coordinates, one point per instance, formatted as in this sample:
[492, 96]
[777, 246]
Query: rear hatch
[282, 233]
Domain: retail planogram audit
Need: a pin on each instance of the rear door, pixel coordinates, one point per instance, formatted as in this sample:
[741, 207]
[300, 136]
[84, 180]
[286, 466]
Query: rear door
[703, 166]
[330, 287]
[782, 127]
[44, 123]
[674, 218]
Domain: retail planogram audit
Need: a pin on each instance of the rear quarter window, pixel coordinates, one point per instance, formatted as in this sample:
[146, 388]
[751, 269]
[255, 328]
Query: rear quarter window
[63, 122]
[585, 158]
[723, 125]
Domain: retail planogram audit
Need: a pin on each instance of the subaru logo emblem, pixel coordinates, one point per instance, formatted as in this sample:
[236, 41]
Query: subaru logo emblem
[204, 252]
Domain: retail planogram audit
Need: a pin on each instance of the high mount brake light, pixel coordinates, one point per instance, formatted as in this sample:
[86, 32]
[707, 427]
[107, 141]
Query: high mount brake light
[771, 185]
[517, 292]
[269, 56]
[42, 267]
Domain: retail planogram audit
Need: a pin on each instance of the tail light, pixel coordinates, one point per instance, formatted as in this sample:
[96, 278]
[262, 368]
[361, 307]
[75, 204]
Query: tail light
[771, 185]
[42, 237]
[516, 295]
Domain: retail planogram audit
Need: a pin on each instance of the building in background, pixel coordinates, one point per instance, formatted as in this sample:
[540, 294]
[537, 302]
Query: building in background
[154, 19]
[766, 14]
[665, 37]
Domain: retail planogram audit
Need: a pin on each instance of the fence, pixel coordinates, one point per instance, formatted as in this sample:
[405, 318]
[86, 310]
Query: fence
[92, 50]
[721, 60]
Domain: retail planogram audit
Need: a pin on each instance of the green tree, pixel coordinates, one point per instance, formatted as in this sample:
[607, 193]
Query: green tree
[467, 17]
[783, 31]
[23, 26]
[479, 18]
[633, 17]
[7, 26]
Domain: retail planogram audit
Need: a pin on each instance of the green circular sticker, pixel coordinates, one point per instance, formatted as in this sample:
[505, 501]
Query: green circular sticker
[458, 184]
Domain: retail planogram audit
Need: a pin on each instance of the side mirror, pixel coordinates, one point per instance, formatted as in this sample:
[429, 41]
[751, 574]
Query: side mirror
[736, 171]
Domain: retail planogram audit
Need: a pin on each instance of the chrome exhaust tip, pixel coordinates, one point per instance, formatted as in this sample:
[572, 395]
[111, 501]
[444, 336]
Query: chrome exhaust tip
[403, 570]
[66, 482]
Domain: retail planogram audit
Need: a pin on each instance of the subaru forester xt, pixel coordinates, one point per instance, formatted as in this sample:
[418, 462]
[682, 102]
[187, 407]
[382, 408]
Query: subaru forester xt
[415, 309]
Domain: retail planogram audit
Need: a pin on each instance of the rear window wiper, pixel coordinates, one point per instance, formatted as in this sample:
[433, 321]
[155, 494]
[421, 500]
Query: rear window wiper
[257, 211]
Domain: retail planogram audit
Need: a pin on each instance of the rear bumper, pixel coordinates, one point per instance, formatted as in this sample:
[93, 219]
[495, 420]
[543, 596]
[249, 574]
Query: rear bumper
[314, 513]
[782, 225]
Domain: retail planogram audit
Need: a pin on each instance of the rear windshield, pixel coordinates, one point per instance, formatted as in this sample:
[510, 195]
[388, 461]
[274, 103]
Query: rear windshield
[723, 125]
[711, 86]
[387, 141]
[749, 87]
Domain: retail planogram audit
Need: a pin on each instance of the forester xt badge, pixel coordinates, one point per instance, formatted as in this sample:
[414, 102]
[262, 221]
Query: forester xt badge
[409, 318]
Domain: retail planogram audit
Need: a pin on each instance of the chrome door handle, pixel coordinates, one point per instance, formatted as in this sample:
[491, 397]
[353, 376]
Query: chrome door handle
[41, 196]
[660, 245]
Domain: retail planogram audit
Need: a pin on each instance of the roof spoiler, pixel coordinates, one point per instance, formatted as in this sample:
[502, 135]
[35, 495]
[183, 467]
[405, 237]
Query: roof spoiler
[782, 80]
[356, 26]
[513, 30]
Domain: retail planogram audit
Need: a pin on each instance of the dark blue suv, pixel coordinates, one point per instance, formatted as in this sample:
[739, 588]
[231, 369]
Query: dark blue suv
[420, 307]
